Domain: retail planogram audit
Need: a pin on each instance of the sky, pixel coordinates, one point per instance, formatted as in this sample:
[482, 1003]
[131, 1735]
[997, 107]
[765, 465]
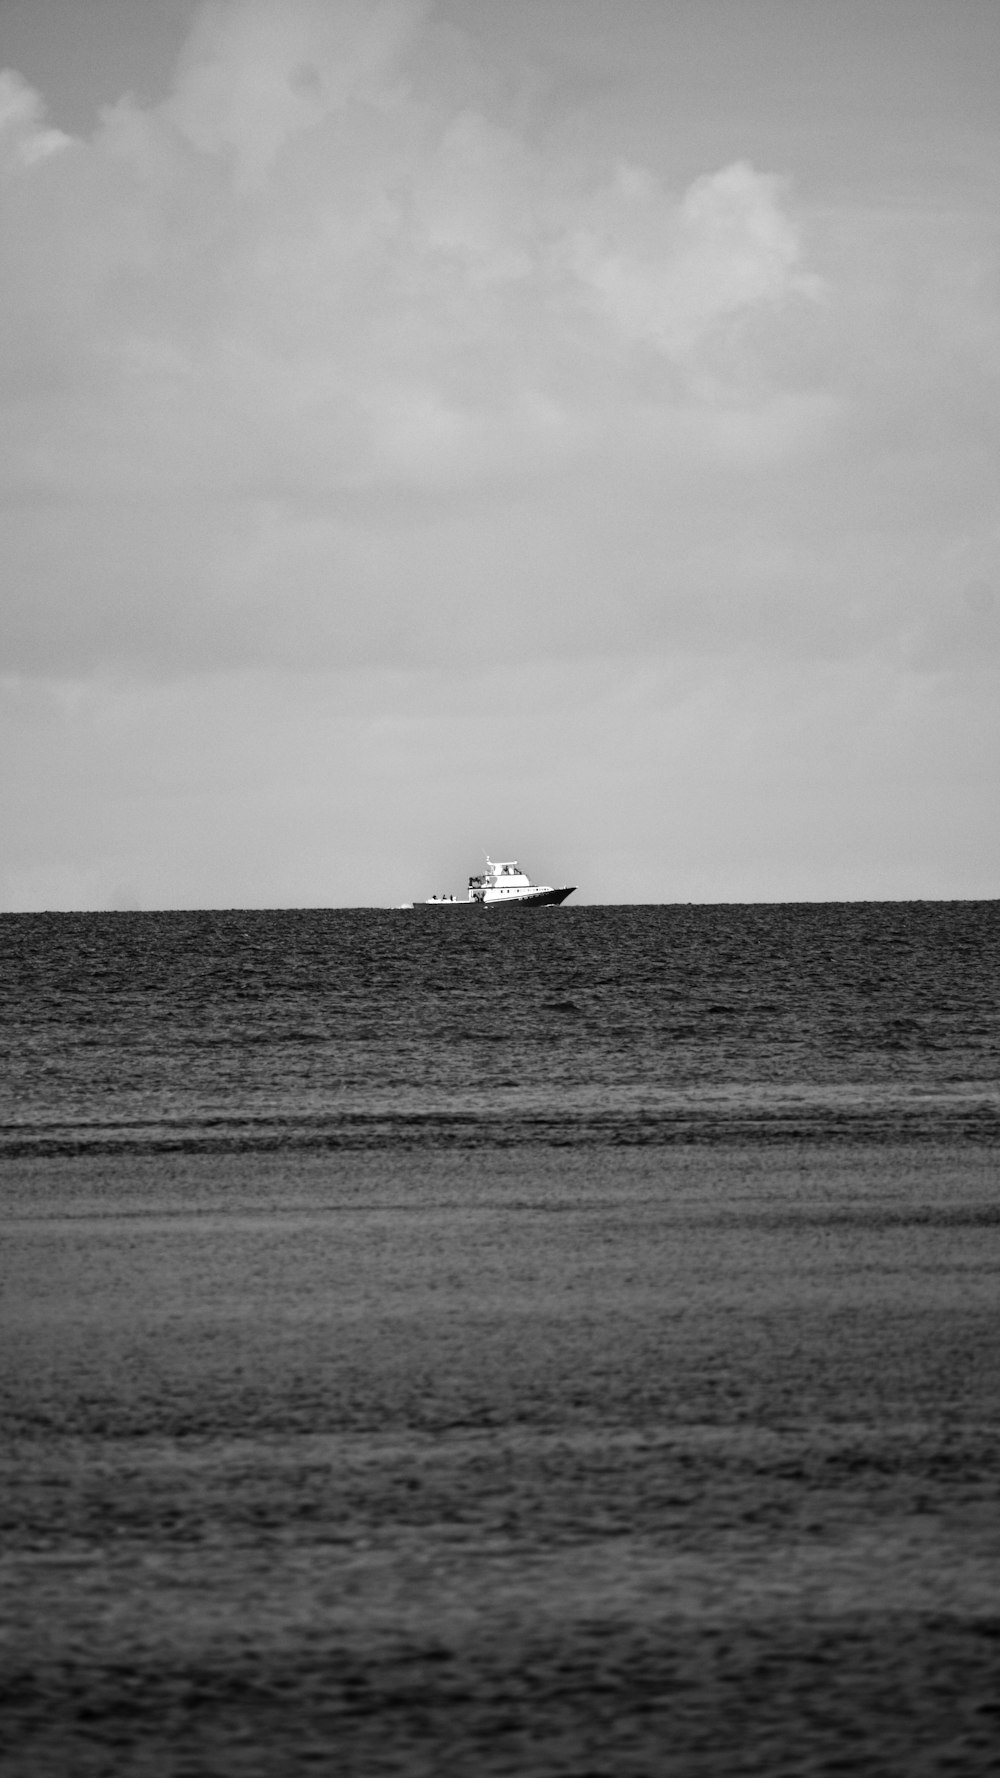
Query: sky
[567, 429]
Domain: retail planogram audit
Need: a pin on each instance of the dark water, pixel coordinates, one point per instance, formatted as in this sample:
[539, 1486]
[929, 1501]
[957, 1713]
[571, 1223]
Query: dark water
[450, 1342]
[234, 1032]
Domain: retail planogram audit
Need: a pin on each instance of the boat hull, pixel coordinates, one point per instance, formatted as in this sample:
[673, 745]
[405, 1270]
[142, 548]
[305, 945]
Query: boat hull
[533, 898]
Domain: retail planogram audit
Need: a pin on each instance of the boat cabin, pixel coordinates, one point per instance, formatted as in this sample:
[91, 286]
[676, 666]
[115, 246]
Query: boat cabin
[502, 876]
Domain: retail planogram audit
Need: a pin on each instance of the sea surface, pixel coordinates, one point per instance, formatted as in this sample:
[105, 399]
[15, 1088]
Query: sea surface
[463, 1341]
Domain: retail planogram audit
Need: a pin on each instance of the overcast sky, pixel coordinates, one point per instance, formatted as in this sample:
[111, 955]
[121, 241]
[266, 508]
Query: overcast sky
[564, 428]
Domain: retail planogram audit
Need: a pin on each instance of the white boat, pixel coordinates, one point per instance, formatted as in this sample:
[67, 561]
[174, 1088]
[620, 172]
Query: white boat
[502, 884]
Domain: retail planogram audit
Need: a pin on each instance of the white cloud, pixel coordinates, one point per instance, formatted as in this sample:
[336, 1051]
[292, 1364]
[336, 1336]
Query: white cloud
[337, 368]
[670, 274]
[255, 75]
[301, 278]
[24, 136]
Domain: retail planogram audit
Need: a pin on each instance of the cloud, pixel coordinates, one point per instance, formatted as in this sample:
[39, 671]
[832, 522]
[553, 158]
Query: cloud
[336, 356]
[255, 76]
[376, 393]
[24, 136]
[247, 328]
[669, 273]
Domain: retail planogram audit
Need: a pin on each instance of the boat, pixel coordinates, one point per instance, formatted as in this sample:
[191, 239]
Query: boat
[502, 884]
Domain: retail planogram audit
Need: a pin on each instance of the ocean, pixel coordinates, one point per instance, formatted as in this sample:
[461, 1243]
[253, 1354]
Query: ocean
[541, 1341]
